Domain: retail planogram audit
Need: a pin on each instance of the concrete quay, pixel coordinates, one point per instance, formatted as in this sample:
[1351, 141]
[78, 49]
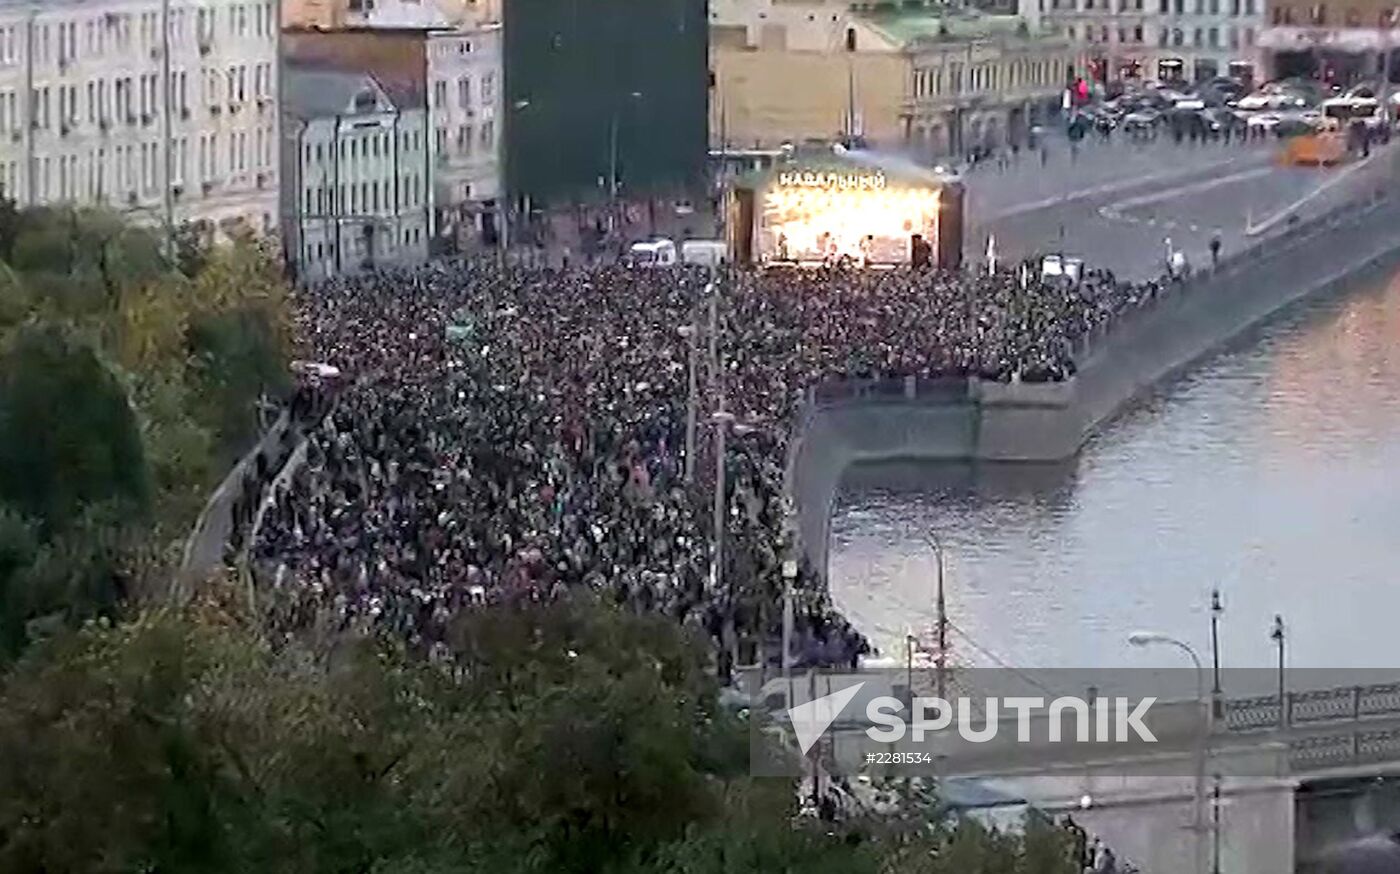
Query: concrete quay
[976, 421]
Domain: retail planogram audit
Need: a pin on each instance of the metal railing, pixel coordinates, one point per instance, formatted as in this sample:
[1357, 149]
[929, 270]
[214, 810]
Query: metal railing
[1312, 707]
[1359, 747]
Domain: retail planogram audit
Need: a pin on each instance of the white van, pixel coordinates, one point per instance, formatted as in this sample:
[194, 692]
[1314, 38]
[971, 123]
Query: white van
[654, 253]
[706, 253]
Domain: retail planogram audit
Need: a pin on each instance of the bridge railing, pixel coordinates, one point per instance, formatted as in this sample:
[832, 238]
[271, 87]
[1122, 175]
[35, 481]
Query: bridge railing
[1313, 706]
[1344, 749]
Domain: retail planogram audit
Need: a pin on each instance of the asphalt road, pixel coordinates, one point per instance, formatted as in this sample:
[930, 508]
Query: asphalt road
[1115, 205]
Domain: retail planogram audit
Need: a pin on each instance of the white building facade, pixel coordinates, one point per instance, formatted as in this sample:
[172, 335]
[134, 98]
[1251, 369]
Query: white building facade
[164, 110]
[357, 170]
[464, 72]
[1184, 40]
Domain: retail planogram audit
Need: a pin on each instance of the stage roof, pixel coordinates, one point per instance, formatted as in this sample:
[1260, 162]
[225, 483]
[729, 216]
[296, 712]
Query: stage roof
[896, 171]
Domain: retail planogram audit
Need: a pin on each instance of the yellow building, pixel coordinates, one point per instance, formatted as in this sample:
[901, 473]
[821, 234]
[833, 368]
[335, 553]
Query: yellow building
[985, 91]
[795, 71]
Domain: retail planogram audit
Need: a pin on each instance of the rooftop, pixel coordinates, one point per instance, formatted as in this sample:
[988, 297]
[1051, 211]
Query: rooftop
[908, 24]
[323, 92]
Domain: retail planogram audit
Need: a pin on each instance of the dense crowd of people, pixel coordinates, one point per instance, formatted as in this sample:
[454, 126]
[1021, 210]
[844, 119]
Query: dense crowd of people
[507, 434]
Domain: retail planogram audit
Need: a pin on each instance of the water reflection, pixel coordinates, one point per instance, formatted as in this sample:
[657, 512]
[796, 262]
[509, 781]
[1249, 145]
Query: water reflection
[1272, 471]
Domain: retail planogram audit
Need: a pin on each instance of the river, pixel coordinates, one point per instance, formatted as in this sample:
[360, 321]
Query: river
[1271, 470]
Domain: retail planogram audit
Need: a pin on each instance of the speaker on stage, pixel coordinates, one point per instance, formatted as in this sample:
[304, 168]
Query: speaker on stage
[949, 254]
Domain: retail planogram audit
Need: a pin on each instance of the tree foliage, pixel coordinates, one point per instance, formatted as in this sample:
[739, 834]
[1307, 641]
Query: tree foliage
[125, 381]
[562, 738]
[68, 437]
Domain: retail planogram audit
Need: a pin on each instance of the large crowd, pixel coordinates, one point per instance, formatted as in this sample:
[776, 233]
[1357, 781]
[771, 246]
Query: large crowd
[509, 434]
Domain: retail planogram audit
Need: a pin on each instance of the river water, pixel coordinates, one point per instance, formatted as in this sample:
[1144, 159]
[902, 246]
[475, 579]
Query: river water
[1272, 471]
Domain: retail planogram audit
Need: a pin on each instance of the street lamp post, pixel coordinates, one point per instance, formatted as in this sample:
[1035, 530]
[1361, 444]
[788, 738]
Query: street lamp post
[1216, 608]
[909, 641]
[940, 606]
[612, 154]
[1215, 827]
[689, 332]
[724, 422]
[1146, 638]
[789, 577]
[1277, 636]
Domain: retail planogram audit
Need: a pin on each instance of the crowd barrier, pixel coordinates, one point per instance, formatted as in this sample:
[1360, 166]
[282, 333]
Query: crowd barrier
[225, 525]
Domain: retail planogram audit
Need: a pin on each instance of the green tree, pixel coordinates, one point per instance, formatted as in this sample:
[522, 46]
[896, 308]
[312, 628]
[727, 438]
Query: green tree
[190, 741]
[68, 436]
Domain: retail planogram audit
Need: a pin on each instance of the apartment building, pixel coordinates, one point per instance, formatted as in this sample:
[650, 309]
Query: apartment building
[163, 110]
[1181, 40]
[448, 55]
[356, 170]
[984, 88]
[464, 69]
[1342, 41]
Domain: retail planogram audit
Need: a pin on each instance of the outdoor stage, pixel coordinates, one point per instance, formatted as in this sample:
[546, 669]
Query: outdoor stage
[827, 208]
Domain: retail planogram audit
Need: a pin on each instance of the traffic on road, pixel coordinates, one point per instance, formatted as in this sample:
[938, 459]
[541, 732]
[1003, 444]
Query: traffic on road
[1223, 108]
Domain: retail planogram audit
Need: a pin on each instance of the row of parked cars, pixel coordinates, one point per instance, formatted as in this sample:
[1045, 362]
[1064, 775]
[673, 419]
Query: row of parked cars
[1286, 107]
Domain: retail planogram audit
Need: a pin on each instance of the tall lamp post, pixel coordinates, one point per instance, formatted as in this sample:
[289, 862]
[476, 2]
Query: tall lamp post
[1277, 636]
[1147, 638]
[1216, 696]
[690, 334]
[1215, 804]
[612, 154]
[503, 209]
[940, 605]
[724, 422]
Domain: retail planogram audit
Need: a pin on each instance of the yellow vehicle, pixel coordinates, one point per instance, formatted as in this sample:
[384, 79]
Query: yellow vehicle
[1324, 147]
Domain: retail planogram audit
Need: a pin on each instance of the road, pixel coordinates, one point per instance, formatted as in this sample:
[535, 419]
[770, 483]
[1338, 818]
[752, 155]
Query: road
[1116, 204]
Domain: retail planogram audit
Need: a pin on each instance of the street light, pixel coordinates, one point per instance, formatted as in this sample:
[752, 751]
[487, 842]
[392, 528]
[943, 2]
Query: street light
[1216, 697]
[789, 577]
[689, 333]
[612, 149]
[1277, 636]
[1147, 638]
[942, 618]
[724, 422]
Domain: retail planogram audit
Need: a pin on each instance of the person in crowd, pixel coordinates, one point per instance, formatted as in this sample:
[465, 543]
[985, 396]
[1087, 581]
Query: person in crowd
[502, 434]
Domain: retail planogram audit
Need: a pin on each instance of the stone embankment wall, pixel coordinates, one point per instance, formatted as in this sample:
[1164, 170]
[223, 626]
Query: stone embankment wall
[970, 421]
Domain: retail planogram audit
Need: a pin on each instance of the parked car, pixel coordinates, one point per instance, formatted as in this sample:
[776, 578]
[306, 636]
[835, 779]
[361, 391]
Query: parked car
[1141, 119]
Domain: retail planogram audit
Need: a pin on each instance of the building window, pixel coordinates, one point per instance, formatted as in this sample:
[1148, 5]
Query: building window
[464, 92]
[1213, 37]
[1319, 14]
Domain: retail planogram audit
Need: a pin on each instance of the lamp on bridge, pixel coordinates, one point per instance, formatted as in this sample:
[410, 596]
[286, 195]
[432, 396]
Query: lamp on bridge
[1277, 636]
[1217, 700]
[1147, 638]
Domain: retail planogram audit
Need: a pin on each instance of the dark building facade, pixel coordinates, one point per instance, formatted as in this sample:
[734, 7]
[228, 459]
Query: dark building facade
[598, 90]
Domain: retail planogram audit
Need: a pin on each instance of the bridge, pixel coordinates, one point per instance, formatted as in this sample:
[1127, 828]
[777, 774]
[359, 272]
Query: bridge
[1310, 733]
[1327, 731]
